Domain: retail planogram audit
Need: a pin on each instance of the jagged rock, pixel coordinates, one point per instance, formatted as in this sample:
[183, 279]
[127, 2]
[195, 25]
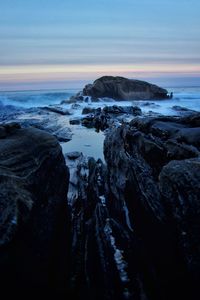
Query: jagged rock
[101, 247]
[134, 222]
[101, 119]
[45, 119]
[180, 184]
[115, 109]
[159, 199]
[121, 88]
[126, 172]
[178, 151]
[34, 216]
[88, 110]
[88, 121]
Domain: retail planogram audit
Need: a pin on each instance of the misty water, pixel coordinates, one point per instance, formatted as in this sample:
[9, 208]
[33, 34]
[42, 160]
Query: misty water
[88, 141]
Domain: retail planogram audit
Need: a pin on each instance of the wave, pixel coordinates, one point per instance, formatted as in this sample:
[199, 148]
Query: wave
[189, 98]
[33, 99]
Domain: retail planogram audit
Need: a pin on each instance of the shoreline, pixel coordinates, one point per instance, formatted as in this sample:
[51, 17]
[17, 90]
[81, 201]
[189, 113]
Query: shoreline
[105, 185]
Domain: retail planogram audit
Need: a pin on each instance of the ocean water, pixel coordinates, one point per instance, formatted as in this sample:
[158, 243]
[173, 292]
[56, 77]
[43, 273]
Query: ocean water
[188, 97]
[29, 99]
[88, 141]
[85, 140]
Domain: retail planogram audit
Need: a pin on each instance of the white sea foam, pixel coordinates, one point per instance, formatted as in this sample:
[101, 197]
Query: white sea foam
[187, 97]
[184, 97]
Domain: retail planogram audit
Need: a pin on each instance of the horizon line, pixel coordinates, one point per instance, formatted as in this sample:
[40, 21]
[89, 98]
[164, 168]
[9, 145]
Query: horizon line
[68, 89]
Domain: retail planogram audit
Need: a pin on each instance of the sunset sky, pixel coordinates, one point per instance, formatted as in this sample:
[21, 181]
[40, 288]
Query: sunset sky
[67, 43]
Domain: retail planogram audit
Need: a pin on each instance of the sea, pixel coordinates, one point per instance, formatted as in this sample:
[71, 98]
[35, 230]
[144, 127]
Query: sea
[188, 97]
[88, 141]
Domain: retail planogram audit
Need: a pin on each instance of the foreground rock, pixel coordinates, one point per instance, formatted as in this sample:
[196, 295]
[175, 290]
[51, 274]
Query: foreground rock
[153, 176]
[103, 249]
[34, 216]
[121, 88]
[134, 222]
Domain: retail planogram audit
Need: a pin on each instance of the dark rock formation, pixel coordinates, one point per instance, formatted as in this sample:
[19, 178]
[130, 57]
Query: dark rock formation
[158, 199]
[34, 215]
[183, 110]
[101, 119]
[88, 110]
[180, 185]
[75, 121]
[121, 88]
[115, 109]
[101, 246]
[134, 222]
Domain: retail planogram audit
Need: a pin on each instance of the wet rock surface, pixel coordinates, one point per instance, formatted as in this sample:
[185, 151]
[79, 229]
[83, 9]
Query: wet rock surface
[102, 118]
[34, 216]
[153, 167]
[134, 221]
[52, 119]
[101, 246]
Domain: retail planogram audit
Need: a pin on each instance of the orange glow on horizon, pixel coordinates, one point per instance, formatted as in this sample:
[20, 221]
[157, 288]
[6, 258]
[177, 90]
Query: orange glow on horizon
[68, 69]
[41, 74]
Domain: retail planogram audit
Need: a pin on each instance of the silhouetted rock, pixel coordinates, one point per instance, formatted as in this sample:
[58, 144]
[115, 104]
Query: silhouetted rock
[121, 88]
[34, 217]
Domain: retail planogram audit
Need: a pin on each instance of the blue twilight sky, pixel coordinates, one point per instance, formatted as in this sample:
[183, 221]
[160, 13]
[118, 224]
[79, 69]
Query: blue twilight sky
[65, 43]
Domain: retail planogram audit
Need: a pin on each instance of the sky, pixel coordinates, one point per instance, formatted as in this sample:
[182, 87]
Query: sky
[67, 43]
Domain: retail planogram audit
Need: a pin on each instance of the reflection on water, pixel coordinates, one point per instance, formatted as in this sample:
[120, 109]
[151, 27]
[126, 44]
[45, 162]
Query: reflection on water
[87, 141]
